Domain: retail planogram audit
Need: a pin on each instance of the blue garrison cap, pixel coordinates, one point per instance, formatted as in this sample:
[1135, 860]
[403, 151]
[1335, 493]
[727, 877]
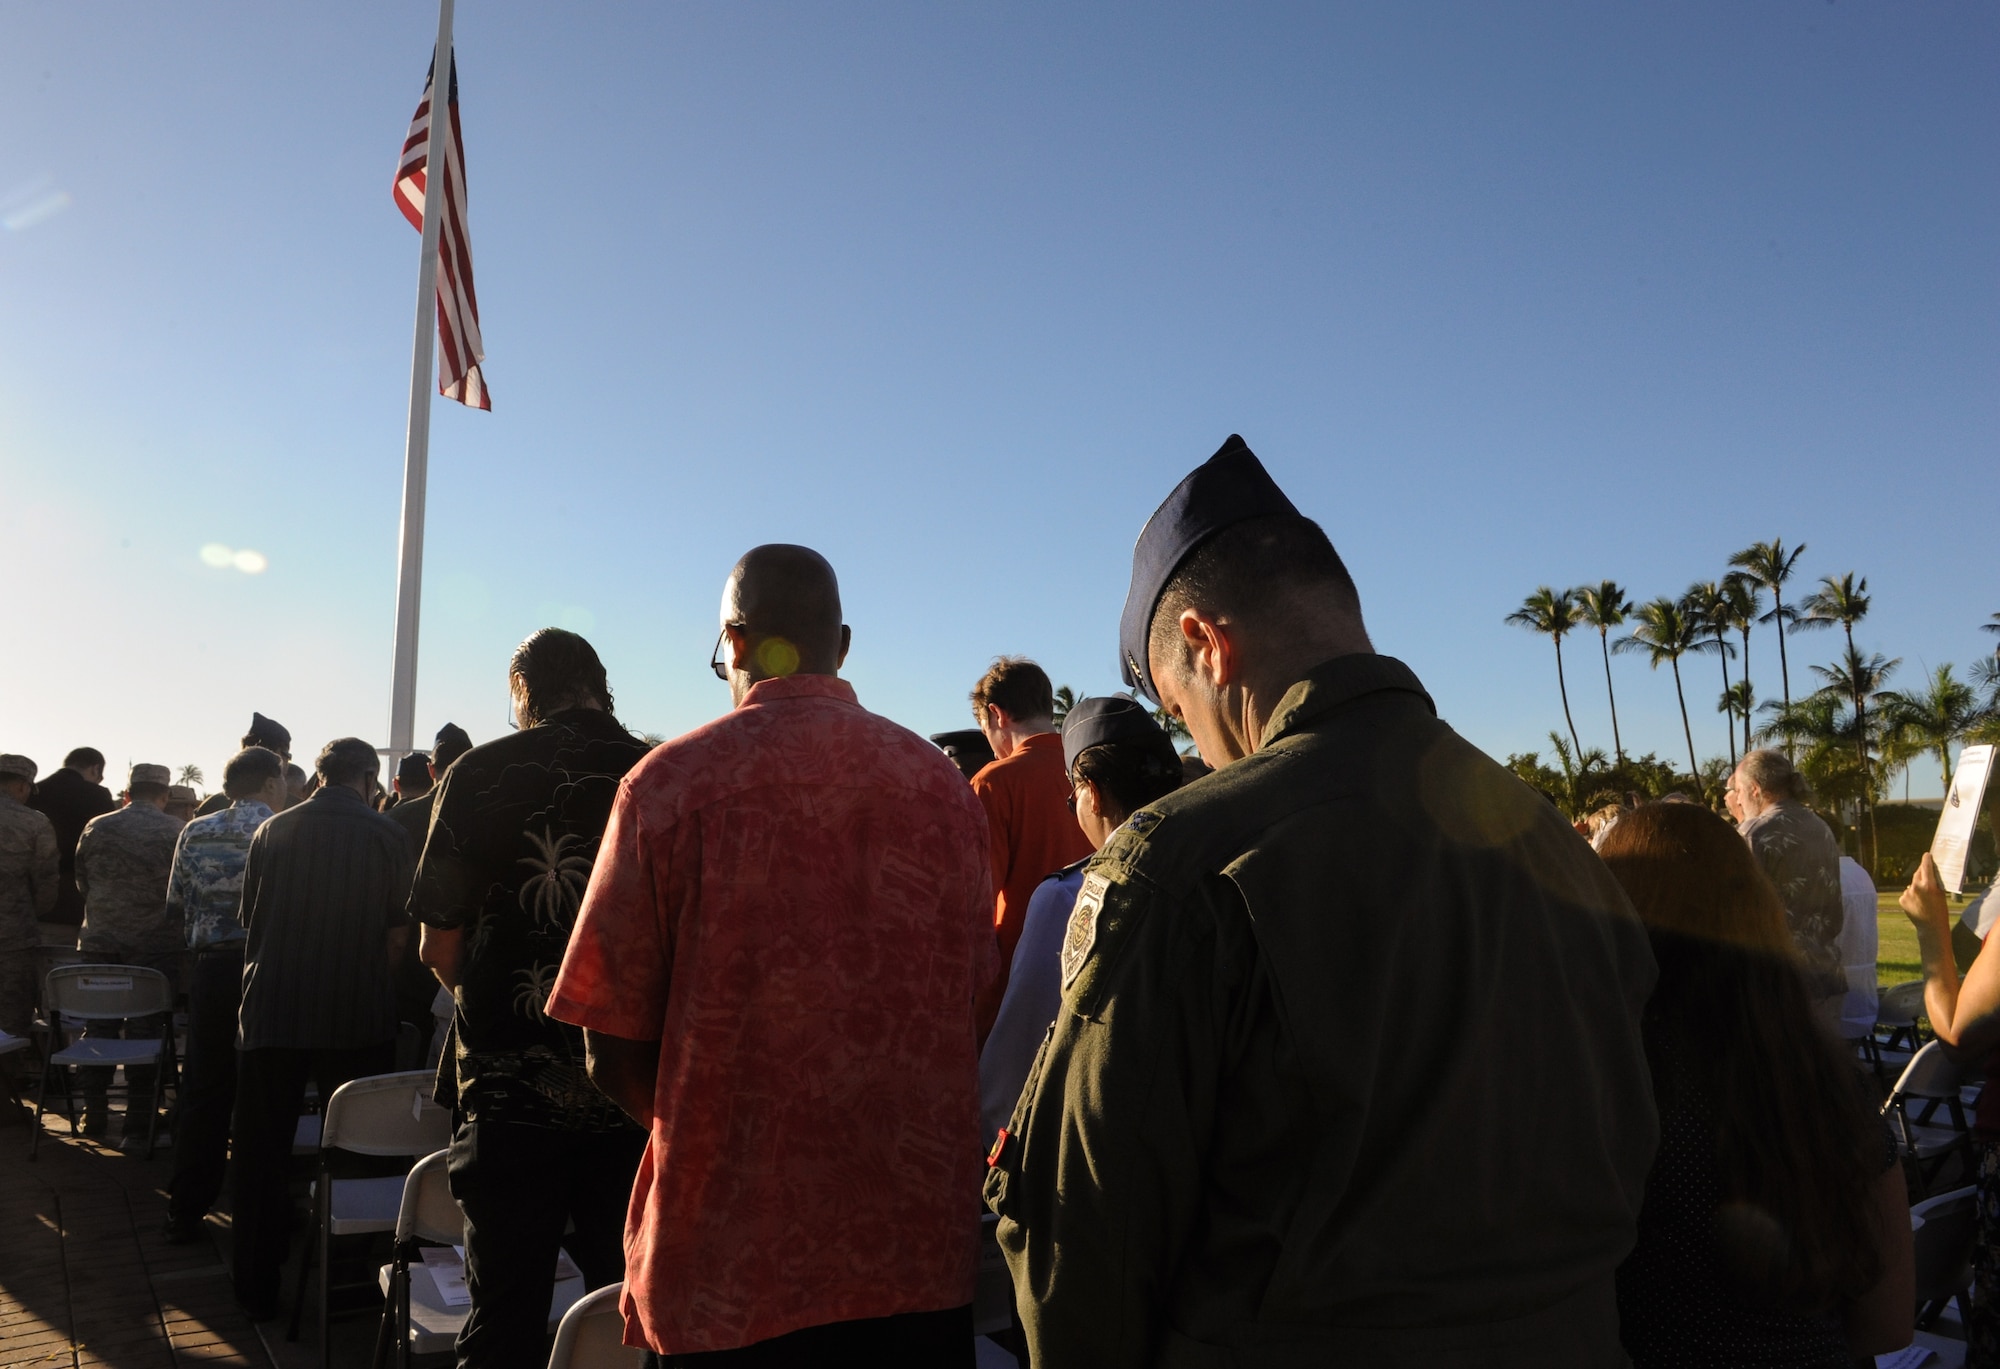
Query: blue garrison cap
[1230, 487]
[1115, 718]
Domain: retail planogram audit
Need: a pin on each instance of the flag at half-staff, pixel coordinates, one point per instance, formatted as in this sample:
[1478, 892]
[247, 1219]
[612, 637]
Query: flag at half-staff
[459, 347]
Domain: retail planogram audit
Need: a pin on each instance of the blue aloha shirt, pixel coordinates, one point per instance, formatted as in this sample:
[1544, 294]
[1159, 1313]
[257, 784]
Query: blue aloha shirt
[206, 889]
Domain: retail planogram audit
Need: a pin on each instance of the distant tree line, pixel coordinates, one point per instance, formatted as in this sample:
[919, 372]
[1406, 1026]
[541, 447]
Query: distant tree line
[1850, 734]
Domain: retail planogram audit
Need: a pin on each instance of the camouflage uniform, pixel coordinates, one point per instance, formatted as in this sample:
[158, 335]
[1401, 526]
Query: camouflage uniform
[30, 876]
[123, 862]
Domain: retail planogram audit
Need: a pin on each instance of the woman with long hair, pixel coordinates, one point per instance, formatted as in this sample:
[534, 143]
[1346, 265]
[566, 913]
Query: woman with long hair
[1775, 1228]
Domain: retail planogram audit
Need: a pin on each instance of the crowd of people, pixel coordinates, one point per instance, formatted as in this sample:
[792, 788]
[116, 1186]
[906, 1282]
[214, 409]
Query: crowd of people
[1348, 1048]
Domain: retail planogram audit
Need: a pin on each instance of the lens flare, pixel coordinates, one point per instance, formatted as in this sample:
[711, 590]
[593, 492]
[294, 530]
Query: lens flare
[251, 562]
[217, 555]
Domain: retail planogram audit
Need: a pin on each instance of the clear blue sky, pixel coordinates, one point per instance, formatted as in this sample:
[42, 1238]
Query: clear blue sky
[1502, 294]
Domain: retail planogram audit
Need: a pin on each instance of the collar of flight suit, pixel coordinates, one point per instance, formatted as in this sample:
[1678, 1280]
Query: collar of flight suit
[1333, 684]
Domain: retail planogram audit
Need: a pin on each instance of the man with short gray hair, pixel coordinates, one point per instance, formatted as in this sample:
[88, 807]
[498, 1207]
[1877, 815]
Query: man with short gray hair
[323, 891]
[1802, 856]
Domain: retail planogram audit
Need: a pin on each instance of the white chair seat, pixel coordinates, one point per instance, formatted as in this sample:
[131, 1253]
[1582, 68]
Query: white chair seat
[363, 1205]
[305, 1136]
[107, 1050]
[1946, 1353]
[1926, 1141]
[434, 1326]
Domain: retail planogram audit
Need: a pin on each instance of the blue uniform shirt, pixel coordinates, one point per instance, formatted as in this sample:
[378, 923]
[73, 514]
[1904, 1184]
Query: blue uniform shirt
[1034, 992]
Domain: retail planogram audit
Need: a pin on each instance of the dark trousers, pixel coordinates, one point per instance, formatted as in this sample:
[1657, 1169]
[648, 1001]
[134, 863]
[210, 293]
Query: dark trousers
[518, 1186]
[208, 1085]
[910, 1340]
[270, 1089]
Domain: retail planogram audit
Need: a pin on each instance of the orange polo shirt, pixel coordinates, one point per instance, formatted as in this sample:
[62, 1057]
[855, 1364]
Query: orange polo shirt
[1034, 834]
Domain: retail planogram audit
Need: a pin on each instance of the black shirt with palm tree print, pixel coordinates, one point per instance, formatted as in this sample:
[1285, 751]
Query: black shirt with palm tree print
[513, 837]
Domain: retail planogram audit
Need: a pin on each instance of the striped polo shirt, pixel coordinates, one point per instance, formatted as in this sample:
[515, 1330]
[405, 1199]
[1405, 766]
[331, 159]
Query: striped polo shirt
[323, 883]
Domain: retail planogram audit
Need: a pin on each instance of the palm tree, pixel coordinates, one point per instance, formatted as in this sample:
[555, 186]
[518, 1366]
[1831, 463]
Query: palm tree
[1986, 681]
[1708, 607]
[1844, 600]
[191, 776]
[1552, 612]
[1603, 607]
[1738, 701]
[1933, 718]
[1065, 701]
[1583, 780]
[1742, 602]
[1666, 633]
[1993, 626]
[1770, 565]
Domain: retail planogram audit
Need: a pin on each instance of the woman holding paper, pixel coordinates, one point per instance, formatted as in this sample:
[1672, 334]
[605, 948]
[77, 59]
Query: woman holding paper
[1966, 1017]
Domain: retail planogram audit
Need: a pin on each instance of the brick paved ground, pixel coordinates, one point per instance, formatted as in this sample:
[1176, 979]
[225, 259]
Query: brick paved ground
[88, 1280]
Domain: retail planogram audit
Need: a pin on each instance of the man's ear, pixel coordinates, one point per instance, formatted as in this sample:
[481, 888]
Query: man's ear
[846, 641]
[739, 646]
[1211, 648]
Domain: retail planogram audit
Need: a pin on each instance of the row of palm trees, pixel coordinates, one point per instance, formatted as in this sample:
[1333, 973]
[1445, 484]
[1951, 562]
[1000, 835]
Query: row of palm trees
[1836, 730]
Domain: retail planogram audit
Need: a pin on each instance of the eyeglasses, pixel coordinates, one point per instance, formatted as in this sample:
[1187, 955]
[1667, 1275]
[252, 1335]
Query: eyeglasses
[715, 662]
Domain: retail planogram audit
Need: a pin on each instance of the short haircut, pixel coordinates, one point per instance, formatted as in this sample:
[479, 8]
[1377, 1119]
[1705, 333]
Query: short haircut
[146, 789]
[559, 670]
[1017, 687]
[1130, 774]
[1773, 772]
[347, 759]
[83, 758]
[250, 770]
[1262, 568]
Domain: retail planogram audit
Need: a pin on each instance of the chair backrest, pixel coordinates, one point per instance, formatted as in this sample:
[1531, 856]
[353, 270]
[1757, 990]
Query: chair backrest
[1945, 1228]
[1930, 1074]
[385, 1114]
[1900, 1004]
[592, 1334]
[429, 1212]
[96, 992]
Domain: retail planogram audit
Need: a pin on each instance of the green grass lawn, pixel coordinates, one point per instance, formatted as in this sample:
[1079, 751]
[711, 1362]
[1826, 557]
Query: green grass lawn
[1896, 953]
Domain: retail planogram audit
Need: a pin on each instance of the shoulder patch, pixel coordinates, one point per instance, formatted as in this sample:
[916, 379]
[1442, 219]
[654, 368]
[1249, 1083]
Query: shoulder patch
[1143, 822]
[1081, 936]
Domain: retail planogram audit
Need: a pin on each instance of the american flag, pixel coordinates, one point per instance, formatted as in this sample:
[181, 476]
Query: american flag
[459, 348]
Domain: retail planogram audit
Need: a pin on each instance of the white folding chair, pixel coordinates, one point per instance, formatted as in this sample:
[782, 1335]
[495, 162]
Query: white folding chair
[1942, 1232]
[1896, 1035]
[1929, 1082]
[383, 1115]
[592, 1334]
[105, 993]
[416, 1314]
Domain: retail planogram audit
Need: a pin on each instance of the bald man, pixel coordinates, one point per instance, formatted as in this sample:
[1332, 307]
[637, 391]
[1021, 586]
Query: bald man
[775, 966]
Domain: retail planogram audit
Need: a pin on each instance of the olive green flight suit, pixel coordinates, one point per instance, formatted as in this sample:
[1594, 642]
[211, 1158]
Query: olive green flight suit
[1347, 1069]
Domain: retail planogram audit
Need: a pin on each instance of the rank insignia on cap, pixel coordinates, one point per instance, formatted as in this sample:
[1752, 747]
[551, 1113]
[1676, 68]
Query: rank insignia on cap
[1082, 934]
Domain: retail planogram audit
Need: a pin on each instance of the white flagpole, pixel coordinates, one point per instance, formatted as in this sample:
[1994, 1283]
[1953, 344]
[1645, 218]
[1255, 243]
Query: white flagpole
[417, 445]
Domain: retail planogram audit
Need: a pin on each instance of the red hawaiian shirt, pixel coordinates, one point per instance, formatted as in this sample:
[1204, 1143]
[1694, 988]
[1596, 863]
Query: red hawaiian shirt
[794, 901]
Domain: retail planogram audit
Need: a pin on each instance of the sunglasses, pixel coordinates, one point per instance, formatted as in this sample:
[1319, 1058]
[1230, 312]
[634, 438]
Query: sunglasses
[715, 661]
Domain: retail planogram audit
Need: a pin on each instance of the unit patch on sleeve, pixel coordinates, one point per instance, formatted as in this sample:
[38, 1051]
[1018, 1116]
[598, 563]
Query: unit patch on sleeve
[1082, 932]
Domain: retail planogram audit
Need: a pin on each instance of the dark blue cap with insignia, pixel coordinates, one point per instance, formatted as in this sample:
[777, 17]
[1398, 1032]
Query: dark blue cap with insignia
[1115, 718]
[1229, 488]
